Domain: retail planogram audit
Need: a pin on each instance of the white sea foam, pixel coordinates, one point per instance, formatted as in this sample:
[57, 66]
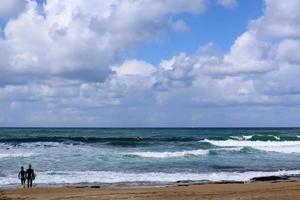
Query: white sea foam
[247, 137]
[227, 149]
[242, 137]
[272, 146]
[236, 137]
[198, 152]
[33, 145]
[277, 137]
[15, 155]
[7, 151]
[73, 177]
[231, 143]
[45, 148]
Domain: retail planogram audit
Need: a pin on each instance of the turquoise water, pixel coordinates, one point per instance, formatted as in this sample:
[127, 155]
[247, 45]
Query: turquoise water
[86, 156]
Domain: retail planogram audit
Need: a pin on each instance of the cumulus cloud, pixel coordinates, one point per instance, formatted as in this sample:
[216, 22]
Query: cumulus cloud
[261, 68]
[281, 20]
[134, 67]
[11, 8]
[69, 55]
[79, 40]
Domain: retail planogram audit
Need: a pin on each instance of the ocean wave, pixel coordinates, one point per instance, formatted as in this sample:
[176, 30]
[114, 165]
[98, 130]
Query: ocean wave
[241, 137]
[256, 137]
[8, 151]
[272, 146]
[170, 154]
[198, 152]
[56, 148]
[16, 155]
[76, 177]
[230, 143]
[41, 145]
[46, 148]
[31, 149]
[247, 137]
[96, 139]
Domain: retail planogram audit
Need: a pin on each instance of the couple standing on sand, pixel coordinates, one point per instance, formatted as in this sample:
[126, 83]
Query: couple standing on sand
[26, 175]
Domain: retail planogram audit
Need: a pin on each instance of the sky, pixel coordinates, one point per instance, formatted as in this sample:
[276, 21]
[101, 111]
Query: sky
[150, 63]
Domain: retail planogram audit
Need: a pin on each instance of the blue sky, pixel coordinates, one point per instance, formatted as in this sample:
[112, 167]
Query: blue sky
[218, 25]
[149, 63]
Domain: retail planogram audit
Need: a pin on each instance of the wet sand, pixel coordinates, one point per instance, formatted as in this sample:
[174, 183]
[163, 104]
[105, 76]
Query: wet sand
[287, 190]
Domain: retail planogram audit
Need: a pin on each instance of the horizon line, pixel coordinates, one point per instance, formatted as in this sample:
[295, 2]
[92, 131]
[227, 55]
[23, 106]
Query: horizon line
[151, 127]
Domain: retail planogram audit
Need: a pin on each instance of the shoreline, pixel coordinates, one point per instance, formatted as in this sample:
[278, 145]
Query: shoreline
[275, 190]
[148, 184]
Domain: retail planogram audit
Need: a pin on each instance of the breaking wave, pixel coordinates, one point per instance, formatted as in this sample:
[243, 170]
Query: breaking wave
[199, 152]
[271, 146]
[85, 177]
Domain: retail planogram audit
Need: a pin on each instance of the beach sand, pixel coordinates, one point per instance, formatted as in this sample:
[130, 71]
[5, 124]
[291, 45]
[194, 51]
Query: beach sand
[258, 190]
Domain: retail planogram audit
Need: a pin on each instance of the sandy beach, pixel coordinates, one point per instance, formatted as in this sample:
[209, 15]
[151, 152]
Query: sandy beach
[288, 190]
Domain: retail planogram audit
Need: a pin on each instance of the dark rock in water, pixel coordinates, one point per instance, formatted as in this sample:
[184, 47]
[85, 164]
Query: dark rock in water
[270, 178]
[95, 186]
[184, 181]
[181, 185]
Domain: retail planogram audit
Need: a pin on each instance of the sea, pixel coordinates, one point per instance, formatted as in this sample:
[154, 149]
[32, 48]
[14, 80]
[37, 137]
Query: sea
[147, 156]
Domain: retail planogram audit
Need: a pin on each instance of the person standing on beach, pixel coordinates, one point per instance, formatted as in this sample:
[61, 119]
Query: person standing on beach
[22, 176]
[30, 176]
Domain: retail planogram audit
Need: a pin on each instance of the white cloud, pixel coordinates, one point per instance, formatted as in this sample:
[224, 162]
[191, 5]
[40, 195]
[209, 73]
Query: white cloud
[64, 59]
[80, 39]
[11, 8]
[135, 67]
[281, 20]
[177, 72]
[249, 54]
[288, 50]
[259, 69]
[180, 26]
[65, 116]
[228, 3]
